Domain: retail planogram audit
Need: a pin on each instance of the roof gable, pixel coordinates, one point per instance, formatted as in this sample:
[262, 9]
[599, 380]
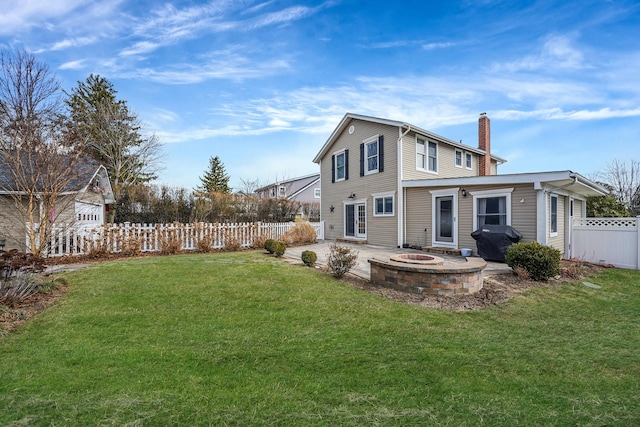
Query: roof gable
[403, 127]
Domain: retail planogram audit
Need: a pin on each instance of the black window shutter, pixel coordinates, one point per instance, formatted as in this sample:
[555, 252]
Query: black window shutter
[333, 168]
[362, 159]
[381, 153]
[346, 164]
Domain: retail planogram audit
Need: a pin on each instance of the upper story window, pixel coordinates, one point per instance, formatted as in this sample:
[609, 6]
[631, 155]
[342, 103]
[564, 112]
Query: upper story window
[371, 155]
[282, 191]
[468, 163]
[426, 155]
[316, 193]
[340, 166]
[458, 158]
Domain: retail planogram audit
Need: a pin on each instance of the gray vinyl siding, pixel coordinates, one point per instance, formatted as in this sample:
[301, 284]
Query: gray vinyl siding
[380, 230]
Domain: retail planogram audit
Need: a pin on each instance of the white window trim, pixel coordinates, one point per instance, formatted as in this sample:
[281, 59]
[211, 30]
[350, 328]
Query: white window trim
[455, 158]
[502, 192]
[426, 155]
[316, 193]
[367, 142]
[551, 232]
[336, 154]
[282, 191]
[470, 157]
[376, 196]
[444, 193]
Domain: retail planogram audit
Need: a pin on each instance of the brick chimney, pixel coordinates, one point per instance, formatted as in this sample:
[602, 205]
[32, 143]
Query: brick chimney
[484, 143]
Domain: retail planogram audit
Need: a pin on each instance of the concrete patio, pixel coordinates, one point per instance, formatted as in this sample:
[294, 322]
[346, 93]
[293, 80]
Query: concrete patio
[366, 252]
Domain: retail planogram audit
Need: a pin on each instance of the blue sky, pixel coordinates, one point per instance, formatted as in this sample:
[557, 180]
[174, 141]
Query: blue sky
[262, 84]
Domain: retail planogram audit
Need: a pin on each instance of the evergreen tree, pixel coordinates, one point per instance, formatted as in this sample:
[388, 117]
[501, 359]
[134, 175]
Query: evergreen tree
[215, 179]
[112, 134]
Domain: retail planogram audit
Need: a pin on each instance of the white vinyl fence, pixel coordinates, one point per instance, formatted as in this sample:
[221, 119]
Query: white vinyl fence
[614, 241]
[114, 238]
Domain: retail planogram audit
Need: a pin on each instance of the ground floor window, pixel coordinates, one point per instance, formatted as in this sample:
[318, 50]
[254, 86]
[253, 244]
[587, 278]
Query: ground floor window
[491, 208]
[383, 205]
[554, 216]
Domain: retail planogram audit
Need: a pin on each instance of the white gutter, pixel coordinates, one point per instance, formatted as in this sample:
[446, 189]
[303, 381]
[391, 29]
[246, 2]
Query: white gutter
[400, 203]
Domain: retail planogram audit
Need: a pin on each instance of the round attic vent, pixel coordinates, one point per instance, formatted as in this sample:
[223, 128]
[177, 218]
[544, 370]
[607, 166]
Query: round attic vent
[351, 129]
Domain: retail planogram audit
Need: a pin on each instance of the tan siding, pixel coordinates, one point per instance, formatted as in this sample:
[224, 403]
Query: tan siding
[446, 161]
[380, 230]
[418, 216]
[577, 208]
[557, 241]
[419, 212]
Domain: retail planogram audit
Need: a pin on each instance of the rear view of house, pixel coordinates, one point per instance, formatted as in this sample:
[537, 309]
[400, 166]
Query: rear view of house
[391, 183]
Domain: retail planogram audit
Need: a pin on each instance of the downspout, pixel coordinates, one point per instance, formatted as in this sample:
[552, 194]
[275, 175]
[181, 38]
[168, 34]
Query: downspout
[402, 229]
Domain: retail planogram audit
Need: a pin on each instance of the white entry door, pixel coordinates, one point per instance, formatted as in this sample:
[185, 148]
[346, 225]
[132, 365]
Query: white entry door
[445, 226]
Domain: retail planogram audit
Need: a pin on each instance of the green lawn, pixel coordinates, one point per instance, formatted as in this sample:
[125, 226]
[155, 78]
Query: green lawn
[245, 339]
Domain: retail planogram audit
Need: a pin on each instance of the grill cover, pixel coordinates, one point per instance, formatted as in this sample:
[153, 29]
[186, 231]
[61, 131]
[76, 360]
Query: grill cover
[493, 241]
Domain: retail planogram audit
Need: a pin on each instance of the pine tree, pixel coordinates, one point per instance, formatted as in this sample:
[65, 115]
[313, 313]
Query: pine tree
[215, 179]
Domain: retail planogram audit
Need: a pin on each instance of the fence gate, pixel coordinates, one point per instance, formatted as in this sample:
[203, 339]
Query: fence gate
[613, 241]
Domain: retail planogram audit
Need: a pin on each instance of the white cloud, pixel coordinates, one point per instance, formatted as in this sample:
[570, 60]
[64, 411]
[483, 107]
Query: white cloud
[73, 65]
[557, 52]
[18, 16]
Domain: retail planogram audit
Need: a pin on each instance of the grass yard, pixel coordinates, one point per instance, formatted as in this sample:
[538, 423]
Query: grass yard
[245, 339]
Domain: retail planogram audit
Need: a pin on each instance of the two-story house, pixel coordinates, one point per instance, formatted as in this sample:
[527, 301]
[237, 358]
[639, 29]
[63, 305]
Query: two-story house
[389, 183]
[304, 189]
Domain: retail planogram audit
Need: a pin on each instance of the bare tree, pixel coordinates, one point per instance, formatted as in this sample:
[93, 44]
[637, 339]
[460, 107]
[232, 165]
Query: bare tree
[40, 154]
[623, 178]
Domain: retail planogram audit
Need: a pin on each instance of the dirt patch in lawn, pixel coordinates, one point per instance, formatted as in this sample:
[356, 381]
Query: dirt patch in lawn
[497, 289]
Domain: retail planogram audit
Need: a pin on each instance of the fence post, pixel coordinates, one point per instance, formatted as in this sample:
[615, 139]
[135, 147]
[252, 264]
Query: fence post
[638, 242]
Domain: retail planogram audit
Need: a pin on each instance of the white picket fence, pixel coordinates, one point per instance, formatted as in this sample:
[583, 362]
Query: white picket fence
[114, 238]
[614, 241]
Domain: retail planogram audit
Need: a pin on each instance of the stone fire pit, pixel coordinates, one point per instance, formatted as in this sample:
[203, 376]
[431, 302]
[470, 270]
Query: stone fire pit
[428, 274]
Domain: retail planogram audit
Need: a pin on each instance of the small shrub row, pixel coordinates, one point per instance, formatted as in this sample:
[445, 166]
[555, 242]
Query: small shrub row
[539, 261]
[274, 247]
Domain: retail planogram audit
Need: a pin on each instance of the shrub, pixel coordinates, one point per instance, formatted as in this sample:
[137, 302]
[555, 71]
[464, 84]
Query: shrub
[170, 242]
[341, 259]
[270, 245]
[232, 244]
[541, 262]
[300, 234]
[309, 258]
[279, 248]
[258, 242]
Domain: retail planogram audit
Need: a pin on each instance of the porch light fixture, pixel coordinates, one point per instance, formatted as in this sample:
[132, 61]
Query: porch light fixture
[464, 192]
[352, 195]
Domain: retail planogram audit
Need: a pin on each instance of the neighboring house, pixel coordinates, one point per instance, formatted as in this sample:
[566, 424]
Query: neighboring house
[305, 189]
[84, 202]
[387, 182]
